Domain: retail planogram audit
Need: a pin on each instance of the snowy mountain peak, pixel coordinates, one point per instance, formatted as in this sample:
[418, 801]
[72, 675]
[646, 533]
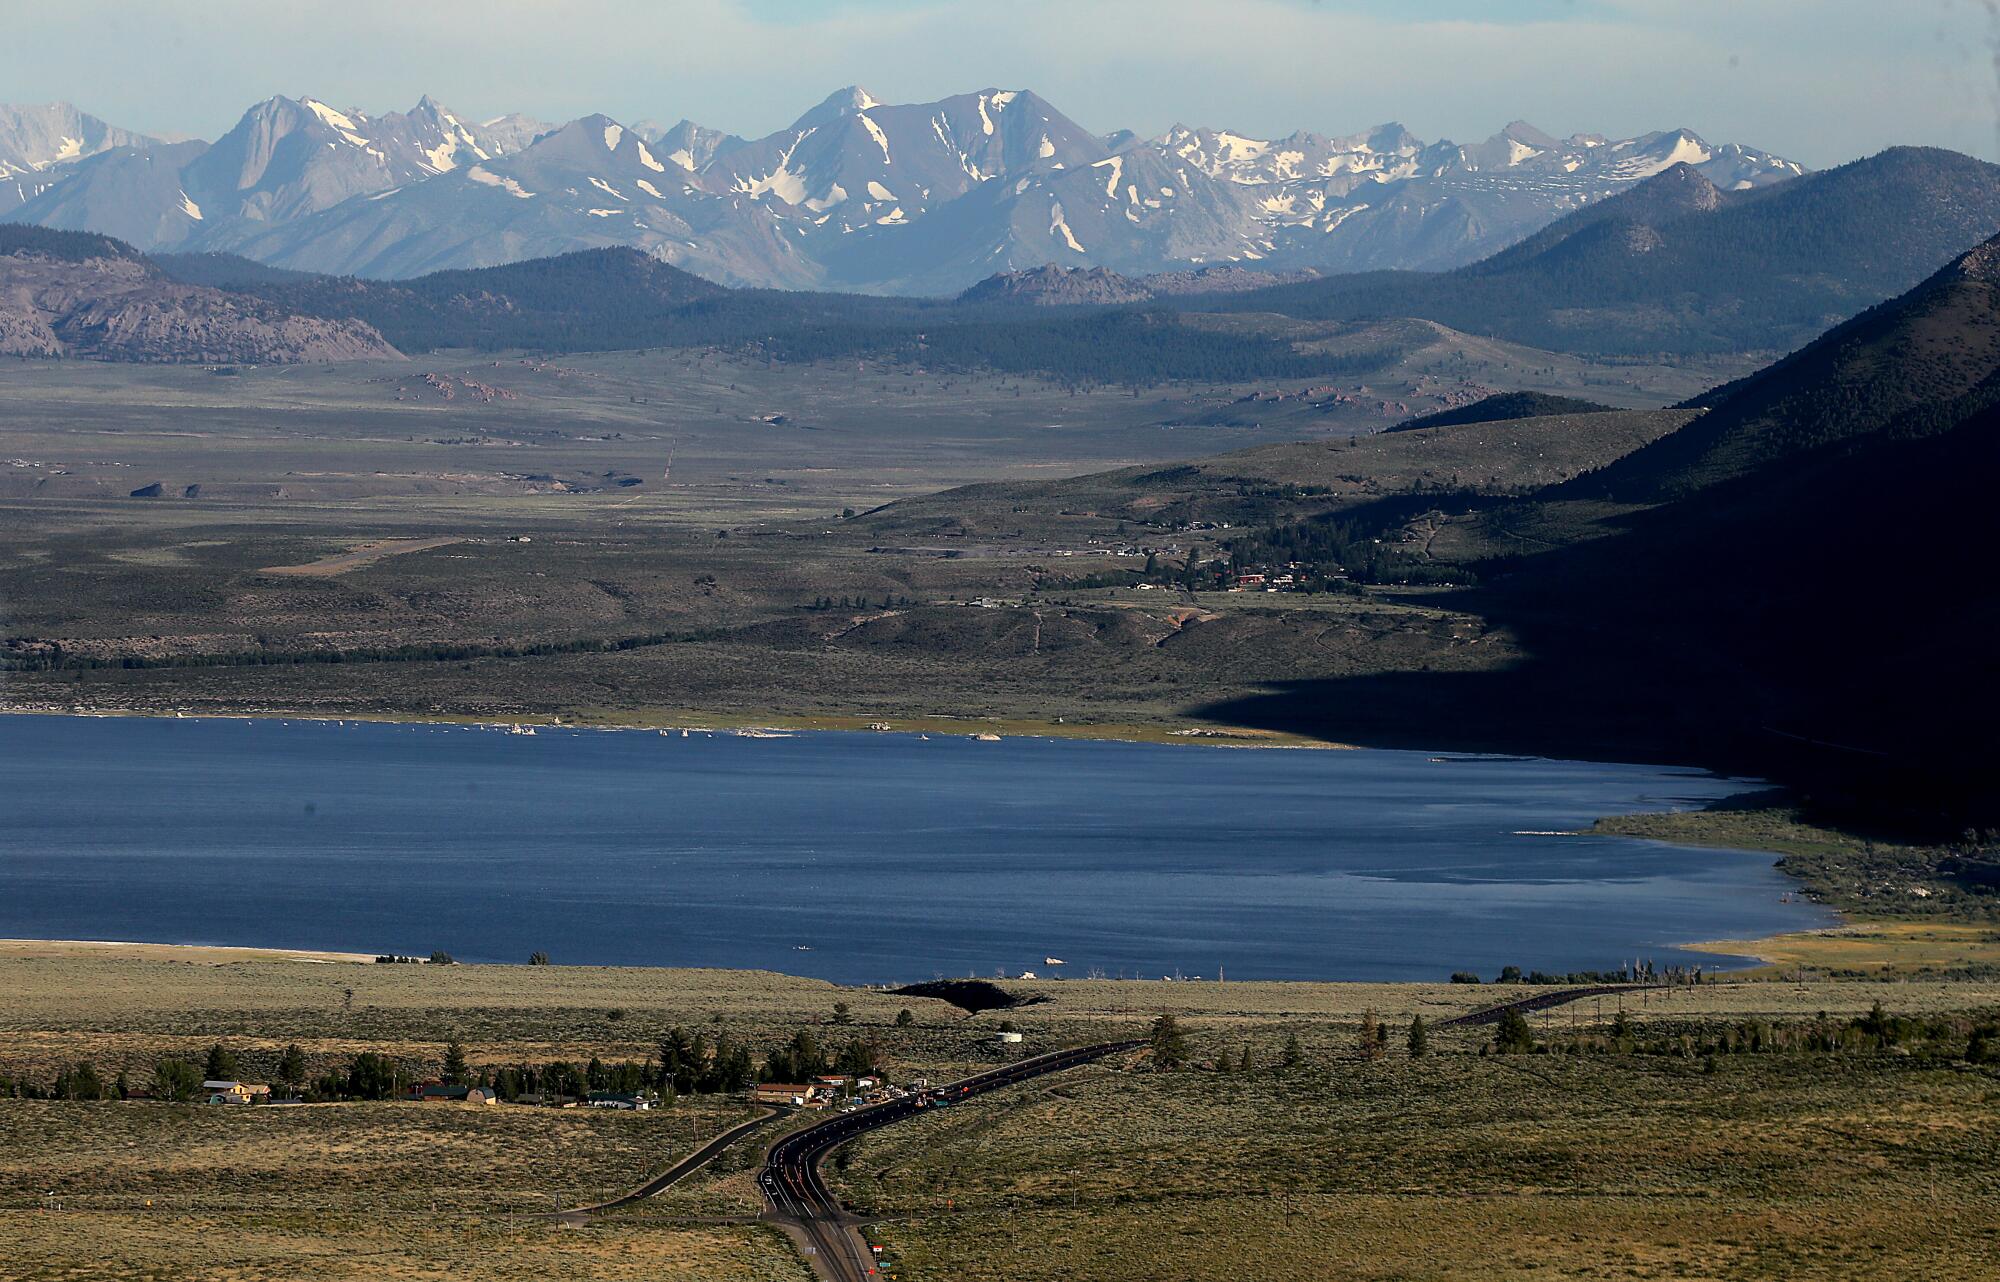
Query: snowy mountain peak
[859, 193]
[1523, 132]
[841, 102]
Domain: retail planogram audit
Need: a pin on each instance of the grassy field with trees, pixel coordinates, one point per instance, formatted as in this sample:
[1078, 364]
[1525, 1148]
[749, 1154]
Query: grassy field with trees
[1738, 1129]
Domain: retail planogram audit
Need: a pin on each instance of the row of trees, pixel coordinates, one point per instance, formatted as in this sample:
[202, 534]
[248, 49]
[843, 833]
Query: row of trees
[859, 602]
[1639, 972]
[1951, 1037]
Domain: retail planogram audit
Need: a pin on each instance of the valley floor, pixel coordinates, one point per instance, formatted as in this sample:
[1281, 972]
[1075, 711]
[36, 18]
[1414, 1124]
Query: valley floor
[1650, 1155]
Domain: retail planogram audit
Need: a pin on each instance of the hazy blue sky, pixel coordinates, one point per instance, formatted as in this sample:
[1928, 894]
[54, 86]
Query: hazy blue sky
[1822, 81]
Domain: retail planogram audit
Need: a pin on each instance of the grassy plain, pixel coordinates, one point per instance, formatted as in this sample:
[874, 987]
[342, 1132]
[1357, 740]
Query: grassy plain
[1593, 1166]
[1453, 1166]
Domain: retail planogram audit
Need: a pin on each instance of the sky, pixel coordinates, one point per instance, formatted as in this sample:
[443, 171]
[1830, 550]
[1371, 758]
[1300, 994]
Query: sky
[1819, 81]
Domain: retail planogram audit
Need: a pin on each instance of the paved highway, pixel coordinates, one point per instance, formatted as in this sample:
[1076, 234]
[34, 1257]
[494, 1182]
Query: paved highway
[798, 1195]
[682, 1169]
[1543, 1001]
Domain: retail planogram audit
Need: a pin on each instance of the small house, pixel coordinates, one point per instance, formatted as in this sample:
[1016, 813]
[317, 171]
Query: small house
[219, 1092]
[782, 1093]
[443, 1092]
[631, 1103]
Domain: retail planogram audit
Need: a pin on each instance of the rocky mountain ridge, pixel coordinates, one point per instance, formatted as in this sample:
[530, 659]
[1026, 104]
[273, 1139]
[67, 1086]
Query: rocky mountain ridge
[857, 194]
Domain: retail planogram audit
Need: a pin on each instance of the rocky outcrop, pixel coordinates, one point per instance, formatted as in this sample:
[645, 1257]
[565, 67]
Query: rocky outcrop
[1053, 286]
[124, 309]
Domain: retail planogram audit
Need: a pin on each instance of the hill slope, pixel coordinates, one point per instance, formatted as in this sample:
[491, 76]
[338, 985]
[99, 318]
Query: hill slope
[1903, 368]
[79, 295]
[599, 298]
[1675, 265]
[1502, 407]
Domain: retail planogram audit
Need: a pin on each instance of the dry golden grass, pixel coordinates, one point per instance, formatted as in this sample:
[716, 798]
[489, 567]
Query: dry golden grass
[1777, 1165]
[393, 1157]
[1891, 948]
[302, 1243]
[1456, 1166]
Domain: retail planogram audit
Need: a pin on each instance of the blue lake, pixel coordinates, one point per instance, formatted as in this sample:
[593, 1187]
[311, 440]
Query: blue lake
[853, 857]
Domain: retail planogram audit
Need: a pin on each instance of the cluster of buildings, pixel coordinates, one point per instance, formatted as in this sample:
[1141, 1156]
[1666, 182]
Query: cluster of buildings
[823, 1091]
[435, 1091]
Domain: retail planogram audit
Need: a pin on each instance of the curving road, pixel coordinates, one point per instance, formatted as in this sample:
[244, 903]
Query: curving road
[1542, 1001]
[799, 1198]
[679, 1170]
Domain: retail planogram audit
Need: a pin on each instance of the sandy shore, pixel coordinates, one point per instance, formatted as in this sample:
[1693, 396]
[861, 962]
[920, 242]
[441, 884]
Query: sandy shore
[194, 954]
[668, 721]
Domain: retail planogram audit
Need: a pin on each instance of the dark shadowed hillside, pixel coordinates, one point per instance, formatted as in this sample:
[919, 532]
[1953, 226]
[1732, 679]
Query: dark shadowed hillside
[599, 298]
[1788, 585]
[1905, 368]
[1673, 265]
[1501, 407]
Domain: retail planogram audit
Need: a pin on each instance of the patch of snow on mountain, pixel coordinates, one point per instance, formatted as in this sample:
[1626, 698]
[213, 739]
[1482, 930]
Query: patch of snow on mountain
[607, 188]
[1339, 216]
[985, 121]
[875, 132]
[1001, 99]
[331, 117]
[879, 192]
[834, 195]
[650, 190]
[646, 159]
[68, 149]
[1047, 148]
[605, 213]
[189, 208]
[1518, 151]
[442, 157]
[780, 182]
[612, 135]
[891, 218]
[683, 159]
[1117, 167]
[1686, 151]
[491, 179]
[1235, 149]
[1058, 226]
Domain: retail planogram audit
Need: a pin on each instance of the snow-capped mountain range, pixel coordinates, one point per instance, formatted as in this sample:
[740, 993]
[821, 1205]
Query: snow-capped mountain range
[40, 145]
[856, 194]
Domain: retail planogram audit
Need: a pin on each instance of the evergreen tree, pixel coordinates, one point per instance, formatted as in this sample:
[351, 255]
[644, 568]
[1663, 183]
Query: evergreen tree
[1243, 1064]
[1513, 1036]
[1420, 1040]
[222, 1066]
[1169, 1043]
[1295, 1054]
[292, 1067]
[371, 1076]
[904, 1018]
[455, 1070]
[1371, 1029]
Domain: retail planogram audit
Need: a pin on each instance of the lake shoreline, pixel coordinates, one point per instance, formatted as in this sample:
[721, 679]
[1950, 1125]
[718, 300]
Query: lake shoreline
[971, 727]
[234, 954]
